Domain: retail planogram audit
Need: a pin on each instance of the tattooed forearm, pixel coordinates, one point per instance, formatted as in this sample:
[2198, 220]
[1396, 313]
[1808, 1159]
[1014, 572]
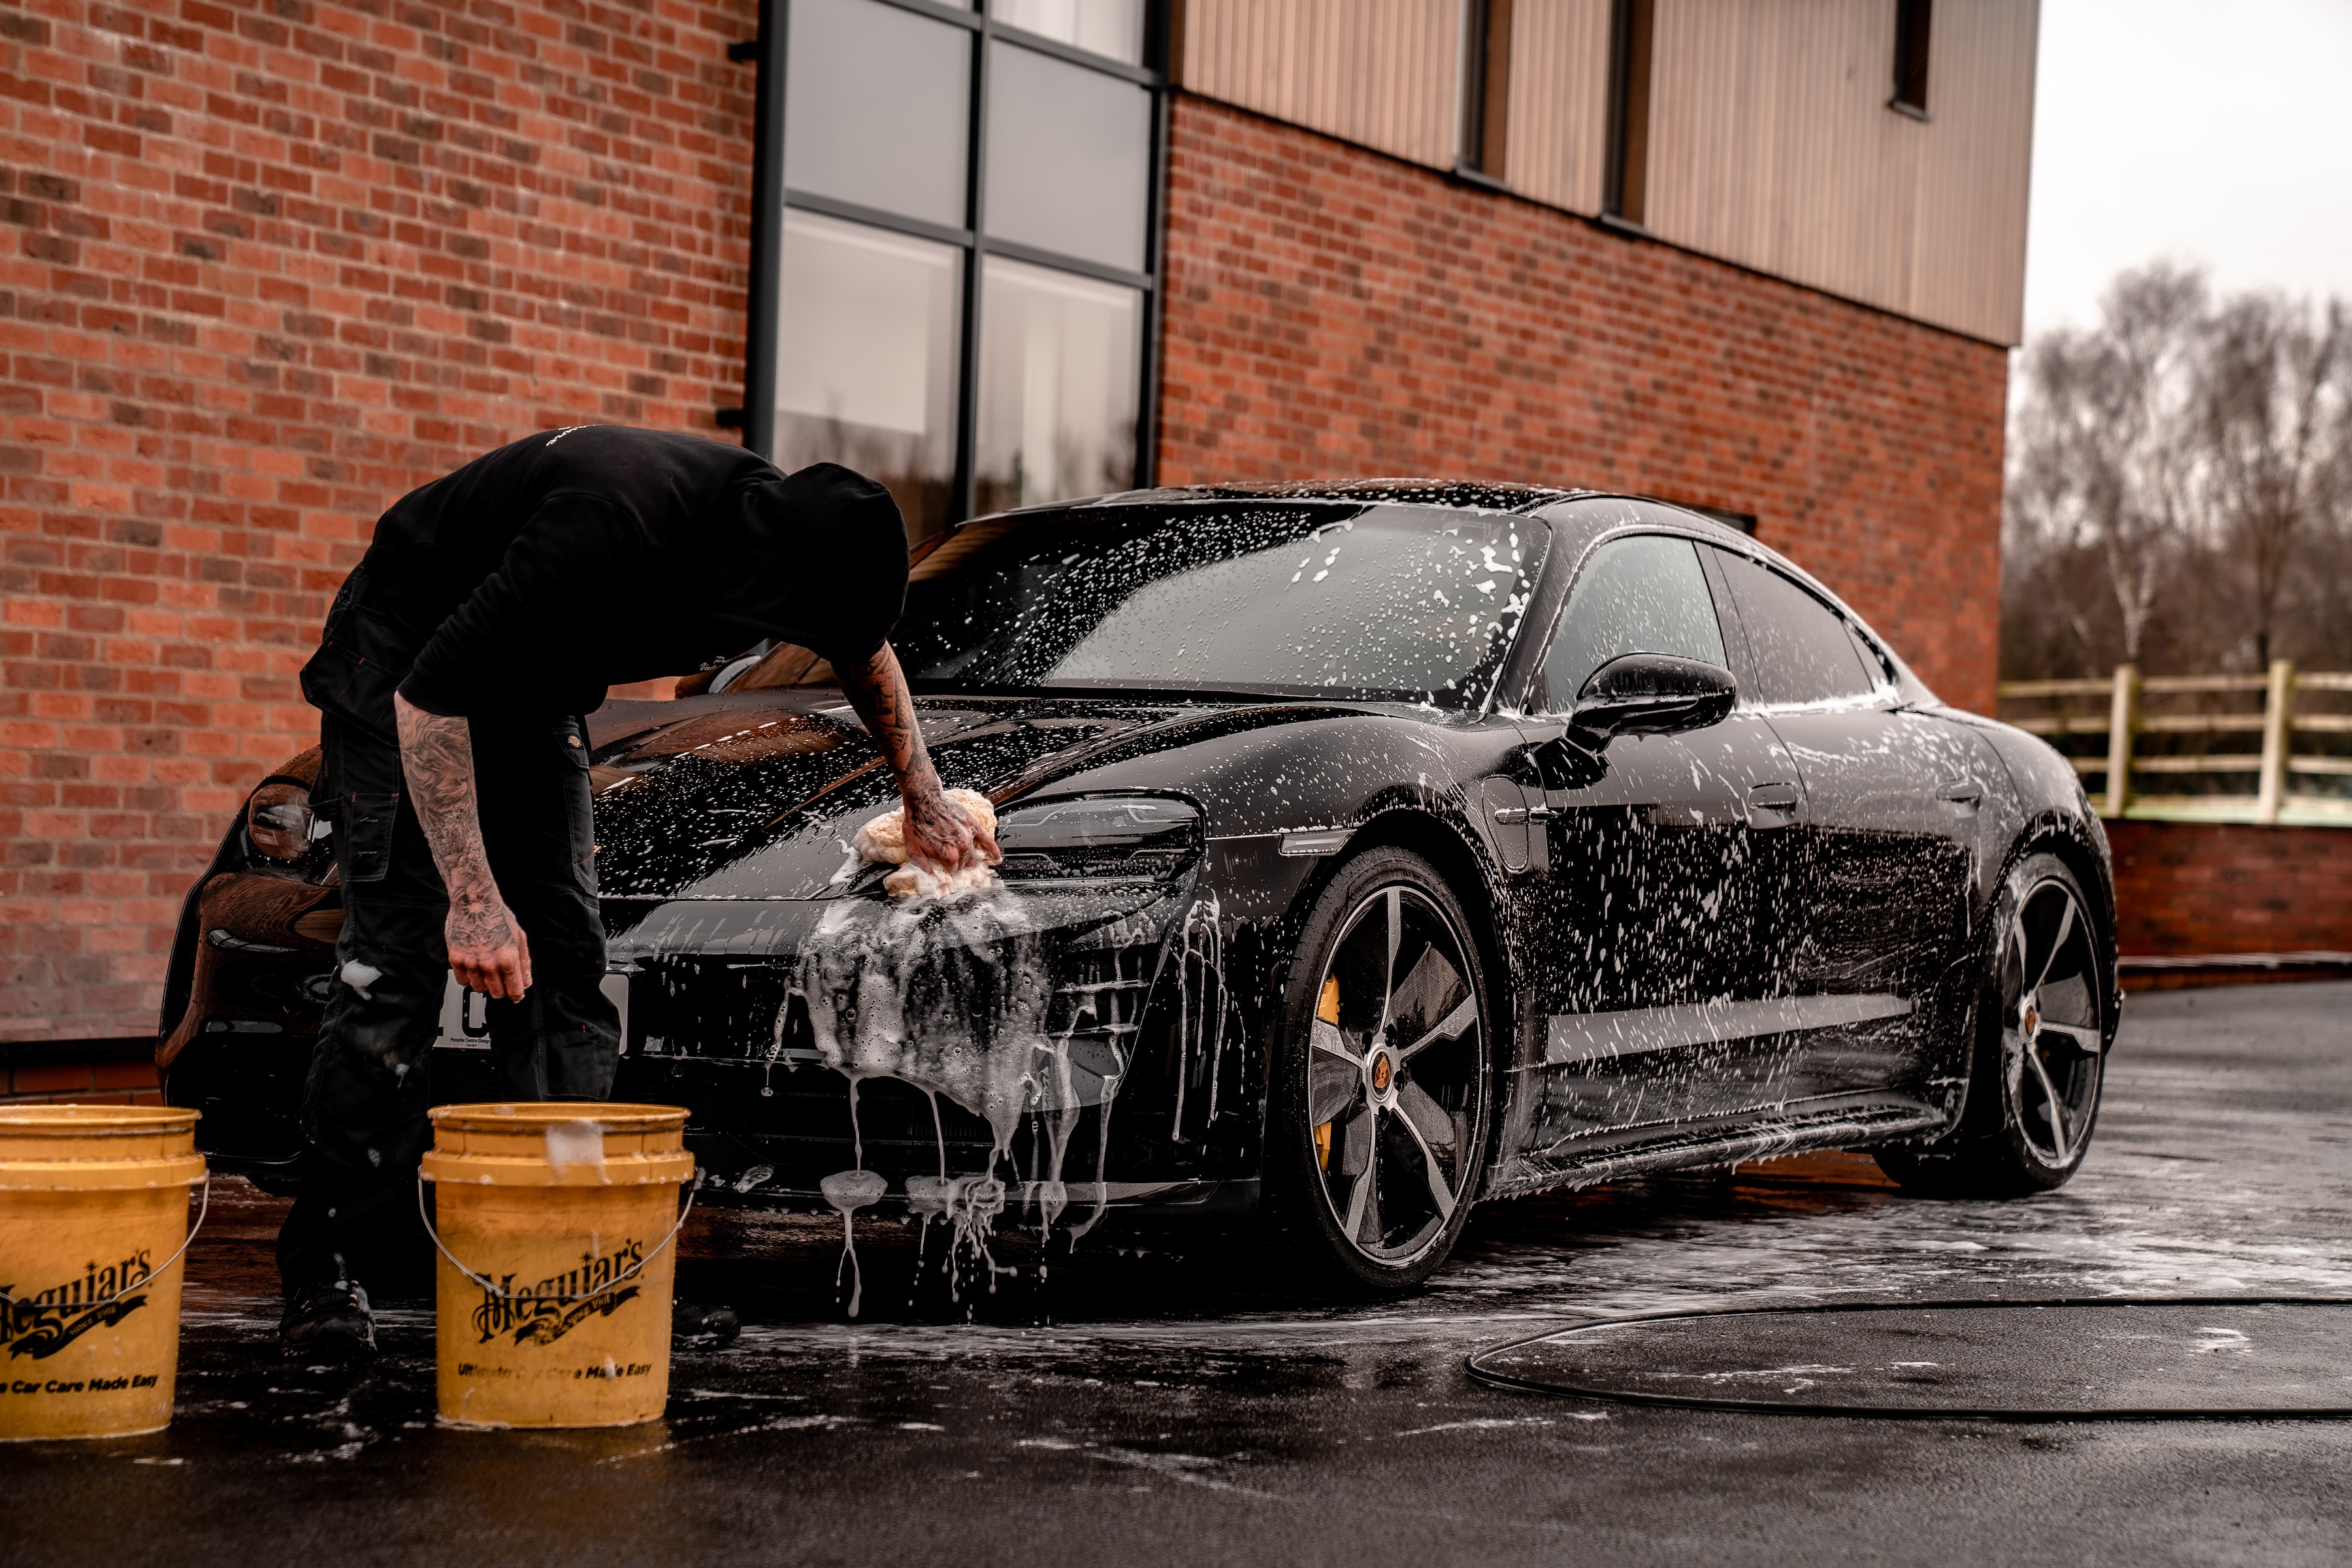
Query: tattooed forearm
[437, 755]
[938, 831]
[878, 692]
[485, 947]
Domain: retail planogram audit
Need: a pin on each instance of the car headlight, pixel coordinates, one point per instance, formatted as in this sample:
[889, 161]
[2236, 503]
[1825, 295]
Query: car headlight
[1127, 836]
[277, 819]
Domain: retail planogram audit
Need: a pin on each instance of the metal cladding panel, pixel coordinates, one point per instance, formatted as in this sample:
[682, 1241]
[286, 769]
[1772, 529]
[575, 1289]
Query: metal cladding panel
[1382, 73]
[1558, 136]
[1973, 183]
[1773, 146]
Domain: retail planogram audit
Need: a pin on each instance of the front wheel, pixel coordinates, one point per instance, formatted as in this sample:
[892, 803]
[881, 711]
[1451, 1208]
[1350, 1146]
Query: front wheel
[1380, 1118]
[2043, 1032]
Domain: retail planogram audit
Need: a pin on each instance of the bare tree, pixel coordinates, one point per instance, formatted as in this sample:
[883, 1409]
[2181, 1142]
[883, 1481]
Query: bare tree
[2099, 457]
[2180, 485]
[2273, 442]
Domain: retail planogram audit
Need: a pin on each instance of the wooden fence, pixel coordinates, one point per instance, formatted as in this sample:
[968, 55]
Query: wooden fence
[2174, 747]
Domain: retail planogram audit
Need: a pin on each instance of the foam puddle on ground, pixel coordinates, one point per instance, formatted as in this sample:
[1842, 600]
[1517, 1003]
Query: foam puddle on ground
[952, 995]
[849, 1191]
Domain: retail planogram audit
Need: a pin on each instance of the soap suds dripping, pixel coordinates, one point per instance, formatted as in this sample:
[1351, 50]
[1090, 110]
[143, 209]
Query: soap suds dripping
[847, 1192]
[951, 995]
[948, 995]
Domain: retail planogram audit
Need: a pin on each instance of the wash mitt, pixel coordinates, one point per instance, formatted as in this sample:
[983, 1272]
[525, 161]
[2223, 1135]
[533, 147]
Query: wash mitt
[883, 842]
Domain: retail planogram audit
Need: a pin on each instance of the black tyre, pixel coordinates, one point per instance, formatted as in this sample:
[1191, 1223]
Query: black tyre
[2043, 1023]
[1380, 1118]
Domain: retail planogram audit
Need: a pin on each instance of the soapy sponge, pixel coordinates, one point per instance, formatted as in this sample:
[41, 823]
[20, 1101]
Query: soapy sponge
[883, 842]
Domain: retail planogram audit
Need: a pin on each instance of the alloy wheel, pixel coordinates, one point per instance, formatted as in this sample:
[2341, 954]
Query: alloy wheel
[2052, 1035]
[1395, 1073]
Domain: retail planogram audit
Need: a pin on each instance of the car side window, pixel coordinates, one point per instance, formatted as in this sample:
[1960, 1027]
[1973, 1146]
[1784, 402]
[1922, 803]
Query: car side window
[1646, 594]
[1802, 651]
[1874, 662]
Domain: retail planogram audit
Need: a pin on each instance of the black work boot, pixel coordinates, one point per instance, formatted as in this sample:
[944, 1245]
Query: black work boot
[329, 1323]
[696, 1327]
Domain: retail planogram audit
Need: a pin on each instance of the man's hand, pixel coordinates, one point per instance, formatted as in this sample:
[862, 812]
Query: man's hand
[938, 832]
[939, 835]
[488, 952]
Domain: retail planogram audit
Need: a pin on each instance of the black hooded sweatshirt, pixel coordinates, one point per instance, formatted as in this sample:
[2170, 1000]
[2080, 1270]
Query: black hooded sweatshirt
[537, 575]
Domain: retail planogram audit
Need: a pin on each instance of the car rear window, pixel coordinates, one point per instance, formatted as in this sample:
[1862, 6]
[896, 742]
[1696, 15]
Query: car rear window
[1802, 653]
[1397, 603]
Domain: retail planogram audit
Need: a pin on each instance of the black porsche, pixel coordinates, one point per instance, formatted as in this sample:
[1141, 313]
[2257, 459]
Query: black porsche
[1370, 849]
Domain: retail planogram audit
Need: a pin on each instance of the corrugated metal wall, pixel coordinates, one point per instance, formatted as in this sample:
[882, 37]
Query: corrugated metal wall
[1771, 144]
[1559, 102]
[1968, 264]
[1383, 73]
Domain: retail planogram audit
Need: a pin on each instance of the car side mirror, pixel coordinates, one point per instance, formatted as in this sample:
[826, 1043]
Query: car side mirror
[1653, 694]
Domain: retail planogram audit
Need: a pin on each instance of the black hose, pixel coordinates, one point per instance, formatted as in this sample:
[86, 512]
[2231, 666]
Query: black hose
[1911, 1411]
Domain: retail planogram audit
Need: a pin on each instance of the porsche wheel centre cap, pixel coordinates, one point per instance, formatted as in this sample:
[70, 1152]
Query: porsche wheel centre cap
[1382, 1071]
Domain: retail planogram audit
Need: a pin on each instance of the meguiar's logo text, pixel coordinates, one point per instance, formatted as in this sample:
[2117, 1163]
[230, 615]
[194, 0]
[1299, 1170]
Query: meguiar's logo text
[41, 1326]
[545, 1312]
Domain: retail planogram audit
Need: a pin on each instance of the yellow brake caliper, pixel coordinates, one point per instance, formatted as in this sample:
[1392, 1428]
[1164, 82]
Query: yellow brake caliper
[1327, 1011]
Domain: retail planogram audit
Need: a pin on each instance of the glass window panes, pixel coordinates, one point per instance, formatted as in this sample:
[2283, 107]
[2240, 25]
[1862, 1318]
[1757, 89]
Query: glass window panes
[1069, 157]
[866, 359]
[877, 107]
[1059, 383]
[1642, 594]
[1110, 27]
[1800, 645]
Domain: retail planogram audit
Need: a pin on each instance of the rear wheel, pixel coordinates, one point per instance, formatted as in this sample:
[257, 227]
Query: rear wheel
[1381, 1118]
[2043, 1028]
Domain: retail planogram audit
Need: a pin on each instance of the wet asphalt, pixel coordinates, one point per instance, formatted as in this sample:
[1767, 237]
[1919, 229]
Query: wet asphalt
[1178, 1408]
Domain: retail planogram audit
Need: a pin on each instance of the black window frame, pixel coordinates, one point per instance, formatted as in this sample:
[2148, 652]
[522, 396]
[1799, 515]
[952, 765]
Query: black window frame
[1625, 178]
[771, 197]
[1481, 149]
[1913, 25]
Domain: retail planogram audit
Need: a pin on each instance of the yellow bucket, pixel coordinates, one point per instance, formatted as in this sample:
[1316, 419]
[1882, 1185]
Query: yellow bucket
[554, 1224]
[93, 1222]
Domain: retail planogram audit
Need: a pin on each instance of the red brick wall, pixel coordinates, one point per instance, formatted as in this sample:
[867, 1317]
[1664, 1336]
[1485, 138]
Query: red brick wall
[2192, 889]
[1332, 311]
[263, 267]
[77, 1076]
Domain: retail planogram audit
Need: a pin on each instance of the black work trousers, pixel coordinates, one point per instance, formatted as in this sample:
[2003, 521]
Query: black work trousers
[363, 1108]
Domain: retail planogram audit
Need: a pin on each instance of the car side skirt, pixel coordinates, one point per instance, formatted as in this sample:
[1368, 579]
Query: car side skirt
[1798, 1130]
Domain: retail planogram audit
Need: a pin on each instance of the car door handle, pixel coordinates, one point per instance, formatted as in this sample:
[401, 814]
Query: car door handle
[1512, 815]
[1966, 795]
[1773, 805]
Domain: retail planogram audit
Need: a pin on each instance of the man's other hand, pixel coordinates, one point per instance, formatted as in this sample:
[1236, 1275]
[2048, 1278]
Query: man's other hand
[487, 950]
[939, 834]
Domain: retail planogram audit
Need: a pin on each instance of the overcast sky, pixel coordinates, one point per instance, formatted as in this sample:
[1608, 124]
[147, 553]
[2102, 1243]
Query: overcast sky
[2212, 131]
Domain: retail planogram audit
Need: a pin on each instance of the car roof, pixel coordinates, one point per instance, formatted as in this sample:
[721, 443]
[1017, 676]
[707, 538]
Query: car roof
[1458, 494]
[1472, 496]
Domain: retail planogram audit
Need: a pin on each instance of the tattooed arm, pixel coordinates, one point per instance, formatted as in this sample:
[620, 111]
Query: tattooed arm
[487, 947]
[938, 832]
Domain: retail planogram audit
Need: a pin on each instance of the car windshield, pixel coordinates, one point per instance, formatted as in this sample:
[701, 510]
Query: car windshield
[1385, 603]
